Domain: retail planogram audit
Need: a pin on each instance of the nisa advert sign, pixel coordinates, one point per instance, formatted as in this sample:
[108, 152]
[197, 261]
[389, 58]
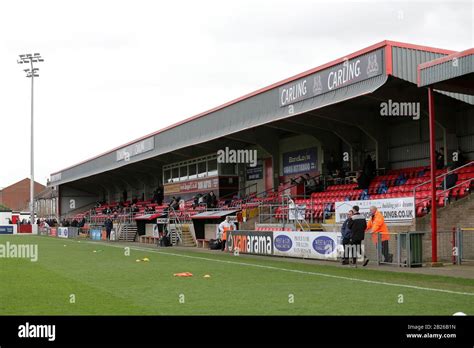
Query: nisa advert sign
[311, 245]
[62, 232]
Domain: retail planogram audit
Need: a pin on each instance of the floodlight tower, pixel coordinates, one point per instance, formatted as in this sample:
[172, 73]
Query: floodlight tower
[31, 72]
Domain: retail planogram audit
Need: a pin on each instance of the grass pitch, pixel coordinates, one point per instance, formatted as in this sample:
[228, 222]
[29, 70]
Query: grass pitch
[69, 278]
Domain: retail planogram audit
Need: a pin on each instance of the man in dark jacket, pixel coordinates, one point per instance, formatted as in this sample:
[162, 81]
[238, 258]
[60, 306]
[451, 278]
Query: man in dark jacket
[449, 180]
[357, 225]
[108, 224]
[346, 238]
[212, 200]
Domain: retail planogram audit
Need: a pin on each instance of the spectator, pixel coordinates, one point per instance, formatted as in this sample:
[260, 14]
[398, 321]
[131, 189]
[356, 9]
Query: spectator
[134, 208]
[377, 225]
[383, 188]
[125, 195]
[74, 223]
[357, 225]
[298, 180]
[339, 174]
[108, 224]
[224, 227]
[310, 184]
[318, 187]
[212, 200]
[158, 195]
[134, 200]
[363, 181]
[440, 158]
[46, 225]
[202, 200]
[461, 159]
[421, 173]
[332, 165]
[369, 167]
[346, 237]
[196, 200]
[174, 204]
[449, 180]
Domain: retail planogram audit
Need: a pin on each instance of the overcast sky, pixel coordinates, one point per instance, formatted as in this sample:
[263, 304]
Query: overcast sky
[117, 70]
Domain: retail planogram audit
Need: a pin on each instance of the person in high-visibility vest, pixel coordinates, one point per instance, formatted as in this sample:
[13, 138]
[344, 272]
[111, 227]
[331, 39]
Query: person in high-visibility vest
[225, 226]
[376, 225]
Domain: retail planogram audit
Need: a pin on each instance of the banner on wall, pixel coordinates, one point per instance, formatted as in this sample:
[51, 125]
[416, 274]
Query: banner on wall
[96, 234]
[393, 209]
[62, 232]
[255, 173]
[6, 229]
[191, 186]
[72, 232]
[301, 161]
[250, 242]
[311, 245]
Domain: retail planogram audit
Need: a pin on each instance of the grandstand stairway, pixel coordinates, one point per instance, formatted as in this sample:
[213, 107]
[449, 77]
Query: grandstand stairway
[127, 232]
[187, 237]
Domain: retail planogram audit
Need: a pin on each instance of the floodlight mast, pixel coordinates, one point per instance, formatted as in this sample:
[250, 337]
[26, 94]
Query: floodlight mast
[32, 72]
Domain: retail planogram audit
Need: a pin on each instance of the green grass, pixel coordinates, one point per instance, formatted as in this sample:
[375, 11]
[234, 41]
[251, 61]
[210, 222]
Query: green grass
[108, 282]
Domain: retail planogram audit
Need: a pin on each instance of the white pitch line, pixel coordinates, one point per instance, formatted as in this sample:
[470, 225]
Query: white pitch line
[291, 270]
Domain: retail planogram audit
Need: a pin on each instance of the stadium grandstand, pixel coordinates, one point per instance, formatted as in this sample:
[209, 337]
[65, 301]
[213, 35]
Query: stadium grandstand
[361, 127]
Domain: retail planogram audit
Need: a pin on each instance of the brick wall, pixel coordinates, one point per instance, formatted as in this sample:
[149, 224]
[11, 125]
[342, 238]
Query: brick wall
[459, 213]
[17, 196]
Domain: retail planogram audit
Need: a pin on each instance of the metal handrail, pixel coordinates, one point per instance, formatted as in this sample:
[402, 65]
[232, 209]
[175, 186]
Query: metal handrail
[440, 193]
[177, 224]
[441, 175]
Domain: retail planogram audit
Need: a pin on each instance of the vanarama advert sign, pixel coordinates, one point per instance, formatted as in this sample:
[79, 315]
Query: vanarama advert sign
[250, 242]
[393, 209]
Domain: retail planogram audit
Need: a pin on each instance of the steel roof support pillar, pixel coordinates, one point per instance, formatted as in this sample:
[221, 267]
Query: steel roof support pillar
[431, 113]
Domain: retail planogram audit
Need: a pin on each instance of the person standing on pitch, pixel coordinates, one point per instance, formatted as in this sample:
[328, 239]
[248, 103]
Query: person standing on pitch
[346, 238]
[225, 226]
[108, 224]
[376, 225]
[357, 225]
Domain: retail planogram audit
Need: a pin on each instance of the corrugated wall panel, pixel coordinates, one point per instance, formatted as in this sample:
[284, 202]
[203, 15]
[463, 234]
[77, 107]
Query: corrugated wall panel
[408, 164]
[405, 156]
[446, 70]
[405, 64]
[466, 143]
